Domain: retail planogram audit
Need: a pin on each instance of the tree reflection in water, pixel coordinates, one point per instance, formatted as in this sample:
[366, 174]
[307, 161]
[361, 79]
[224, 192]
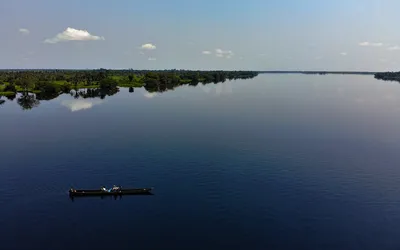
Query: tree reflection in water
[45, 96]
[11, 97]
[94, 93]
[28, 101]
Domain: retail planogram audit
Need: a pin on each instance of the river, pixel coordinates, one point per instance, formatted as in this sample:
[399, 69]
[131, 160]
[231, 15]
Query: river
[275, 162]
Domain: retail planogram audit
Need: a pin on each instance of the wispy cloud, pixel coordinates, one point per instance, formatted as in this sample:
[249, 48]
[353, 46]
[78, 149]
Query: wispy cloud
[24, 31]
[224, 53]
[370, 44]
[76, 105]
[394, 47]
[152, 59]
[206, 52]
[343, 53]
[71, 34]
[148, 46]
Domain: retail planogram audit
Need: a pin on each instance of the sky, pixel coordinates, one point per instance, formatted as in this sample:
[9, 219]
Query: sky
[353, 35]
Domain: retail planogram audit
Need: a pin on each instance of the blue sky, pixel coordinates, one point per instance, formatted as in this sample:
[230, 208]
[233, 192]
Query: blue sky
[206, 34]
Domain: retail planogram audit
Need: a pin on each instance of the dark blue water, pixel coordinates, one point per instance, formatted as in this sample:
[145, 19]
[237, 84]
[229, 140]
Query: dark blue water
[276, 162]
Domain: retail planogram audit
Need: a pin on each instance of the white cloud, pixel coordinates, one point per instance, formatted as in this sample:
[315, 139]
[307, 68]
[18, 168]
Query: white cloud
[370, 44]
[150, 95]
[206, 52]
[224, 53]
[148, 46]
[151, 58]
[24, 31]
[318, 57]
[71, 34]
[343, 53]
[76, 105]
[394, 48]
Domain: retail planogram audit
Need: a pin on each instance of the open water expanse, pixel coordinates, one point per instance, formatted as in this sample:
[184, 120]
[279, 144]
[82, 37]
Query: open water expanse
[274, 162]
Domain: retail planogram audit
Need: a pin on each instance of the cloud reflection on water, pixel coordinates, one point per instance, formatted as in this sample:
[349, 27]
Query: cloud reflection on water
[217, 89]
[150, 94]
[77, 105]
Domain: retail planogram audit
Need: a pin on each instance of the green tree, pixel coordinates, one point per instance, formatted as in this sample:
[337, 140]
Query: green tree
[66, 87]
[10, 88]
[26, 84]
[108, 83]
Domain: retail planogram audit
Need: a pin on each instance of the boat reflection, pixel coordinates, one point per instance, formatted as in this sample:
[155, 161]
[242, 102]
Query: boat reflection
[108, 197]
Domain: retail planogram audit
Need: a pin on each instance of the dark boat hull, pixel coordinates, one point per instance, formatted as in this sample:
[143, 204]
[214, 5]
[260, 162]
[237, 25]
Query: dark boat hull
[133, 191]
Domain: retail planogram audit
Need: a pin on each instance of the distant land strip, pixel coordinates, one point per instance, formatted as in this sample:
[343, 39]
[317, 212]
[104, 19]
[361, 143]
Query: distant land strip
[174, 70]
[318, 72]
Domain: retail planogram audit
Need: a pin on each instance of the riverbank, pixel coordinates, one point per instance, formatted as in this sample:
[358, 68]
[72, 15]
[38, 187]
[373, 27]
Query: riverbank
[388, 76]
[51, 83]
[38, 81]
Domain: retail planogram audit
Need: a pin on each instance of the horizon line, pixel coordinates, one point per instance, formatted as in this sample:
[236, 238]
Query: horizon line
[283, 71]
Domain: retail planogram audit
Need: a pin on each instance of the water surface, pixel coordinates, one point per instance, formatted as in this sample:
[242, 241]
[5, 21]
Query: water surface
[275, 162]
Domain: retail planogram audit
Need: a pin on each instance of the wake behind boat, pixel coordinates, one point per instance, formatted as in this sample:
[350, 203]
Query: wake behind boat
[112, 191]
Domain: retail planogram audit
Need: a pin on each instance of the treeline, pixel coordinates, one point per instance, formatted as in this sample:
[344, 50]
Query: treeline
[49, 81]
[54, 81]
[90, 77]
[388, 76]
[37, 85]
[159, 81]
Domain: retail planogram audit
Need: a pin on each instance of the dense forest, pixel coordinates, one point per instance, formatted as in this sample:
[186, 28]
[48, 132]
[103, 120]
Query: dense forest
[388, 76]
[32, 86]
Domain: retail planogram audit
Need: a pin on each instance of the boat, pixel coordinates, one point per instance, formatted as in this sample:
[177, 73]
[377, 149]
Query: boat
[111, 192]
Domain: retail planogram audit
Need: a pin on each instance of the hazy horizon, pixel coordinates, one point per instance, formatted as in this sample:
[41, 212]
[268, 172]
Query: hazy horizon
[258, 35]
[183, 69]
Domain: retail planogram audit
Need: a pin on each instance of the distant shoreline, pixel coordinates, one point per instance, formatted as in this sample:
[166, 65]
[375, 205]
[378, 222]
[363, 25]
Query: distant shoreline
[49, 84]
[321, 72]
[318, 72]
[385, 76]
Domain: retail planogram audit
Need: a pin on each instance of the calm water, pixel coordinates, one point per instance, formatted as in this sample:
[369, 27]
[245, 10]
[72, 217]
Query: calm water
[276, 162]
